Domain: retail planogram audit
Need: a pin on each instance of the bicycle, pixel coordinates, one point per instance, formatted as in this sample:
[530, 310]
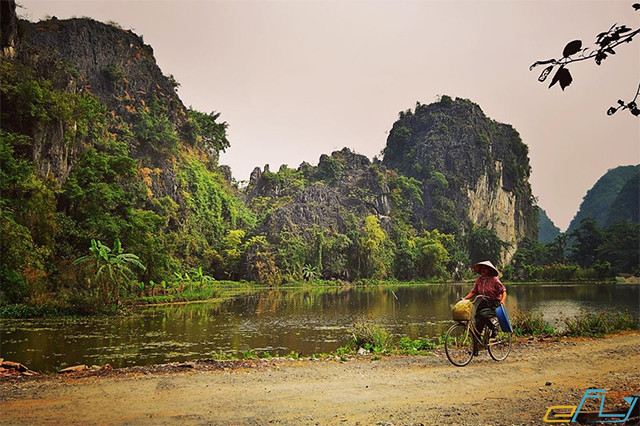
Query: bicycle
[463, 340]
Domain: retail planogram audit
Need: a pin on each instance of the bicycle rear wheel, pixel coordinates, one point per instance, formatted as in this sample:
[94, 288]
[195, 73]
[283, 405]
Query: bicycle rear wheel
[458, 345]
[500, 346]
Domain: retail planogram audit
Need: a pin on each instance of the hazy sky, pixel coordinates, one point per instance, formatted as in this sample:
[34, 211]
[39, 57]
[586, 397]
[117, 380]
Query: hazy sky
[296, 79]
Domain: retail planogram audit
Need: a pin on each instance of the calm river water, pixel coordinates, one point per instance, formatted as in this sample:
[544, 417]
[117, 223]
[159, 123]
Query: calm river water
[277, 321]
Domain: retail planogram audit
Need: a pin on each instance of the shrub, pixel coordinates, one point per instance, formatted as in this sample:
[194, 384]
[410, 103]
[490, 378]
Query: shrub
[559, 272]
[508, 272]
[530, 323]
[249, 354]
[370, 337]
[415, 346]
[155, 130]
[260, 263]
[597, 324]
[28, 311]
[113, 73]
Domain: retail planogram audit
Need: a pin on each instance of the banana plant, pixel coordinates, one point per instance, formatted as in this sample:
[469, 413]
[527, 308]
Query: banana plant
[111, 268]
[200, 277]
[309, 272]
[152, 284]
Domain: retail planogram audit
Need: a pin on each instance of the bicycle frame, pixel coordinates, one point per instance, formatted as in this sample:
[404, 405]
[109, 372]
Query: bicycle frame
[477, 336]
[463, 341]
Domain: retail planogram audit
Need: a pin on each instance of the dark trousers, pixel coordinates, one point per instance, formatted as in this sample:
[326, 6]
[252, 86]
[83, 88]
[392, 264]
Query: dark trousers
[485, 311]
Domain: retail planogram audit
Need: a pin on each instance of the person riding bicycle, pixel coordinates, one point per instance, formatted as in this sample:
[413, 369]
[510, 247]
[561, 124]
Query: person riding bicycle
[487, 284]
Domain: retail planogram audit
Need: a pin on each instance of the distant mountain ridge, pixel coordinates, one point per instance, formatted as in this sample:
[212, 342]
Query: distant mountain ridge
[547, 230]
[614, 197]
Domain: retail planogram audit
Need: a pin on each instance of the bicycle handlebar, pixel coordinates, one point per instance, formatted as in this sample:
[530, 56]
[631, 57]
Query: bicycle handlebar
[478, 297]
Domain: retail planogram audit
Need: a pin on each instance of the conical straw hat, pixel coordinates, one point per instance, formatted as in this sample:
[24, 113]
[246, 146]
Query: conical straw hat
[486, 263]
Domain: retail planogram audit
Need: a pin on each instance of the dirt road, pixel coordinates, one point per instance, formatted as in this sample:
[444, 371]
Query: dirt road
[394, 390]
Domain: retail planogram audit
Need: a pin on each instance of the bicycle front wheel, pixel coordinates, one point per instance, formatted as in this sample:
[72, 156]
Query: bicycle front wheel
[500, 346]
[458, 345]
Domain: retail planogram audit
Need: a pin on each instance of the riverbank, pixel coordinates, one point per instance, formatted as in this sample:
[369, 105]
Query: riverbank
[185, 293]
[393, 390]
[217, 291]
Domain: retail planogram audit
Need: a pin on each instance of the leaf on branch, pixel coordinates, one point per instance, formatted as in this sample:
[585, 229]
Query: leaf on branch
[572, 48]
[562, 76]
[612, 110]
[636, 6]
[635, 111]
[620, 102]
[545, 73]
[601, 56]
[604, 42]
[548, 61]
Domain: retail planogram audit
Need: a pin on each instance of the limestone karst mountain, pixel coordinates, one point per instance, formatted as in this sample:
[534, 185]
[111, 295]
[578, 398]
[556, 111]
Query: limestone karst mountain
[473, 170]
[96, 144]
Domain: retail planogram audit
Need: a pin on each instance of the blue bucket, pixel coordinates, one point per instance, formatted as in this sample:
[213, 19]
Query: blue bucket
[503, 319]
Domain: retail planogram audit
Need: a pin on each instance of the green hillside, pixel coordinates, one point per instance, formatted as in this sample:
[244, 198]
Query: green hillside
[606, 202]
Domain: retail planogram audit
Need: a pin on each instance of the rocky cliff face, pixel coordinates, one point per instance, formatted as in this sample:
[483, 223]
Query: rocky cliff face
[474, 171]
[9, 25]
[494, 207]
[101, 59]
[83, 56]
[325, 195]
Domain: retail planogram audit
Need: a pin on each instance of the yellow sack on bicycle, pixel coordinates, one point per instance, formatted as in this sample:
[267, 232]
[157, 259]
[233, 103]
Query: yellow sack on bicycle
[462, 310]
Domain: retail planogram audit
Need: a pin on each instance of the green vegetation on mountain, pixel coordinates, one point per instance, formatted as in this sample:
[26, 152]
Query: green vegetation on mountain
[626, 205]
[606, 203]
[603, 243]
[597, 254]
[101, 149]
[110, 189]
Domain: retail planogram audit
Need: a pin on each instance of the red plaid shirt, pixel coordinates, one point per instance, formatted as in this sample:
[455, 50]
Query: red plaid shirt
[489, 286]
